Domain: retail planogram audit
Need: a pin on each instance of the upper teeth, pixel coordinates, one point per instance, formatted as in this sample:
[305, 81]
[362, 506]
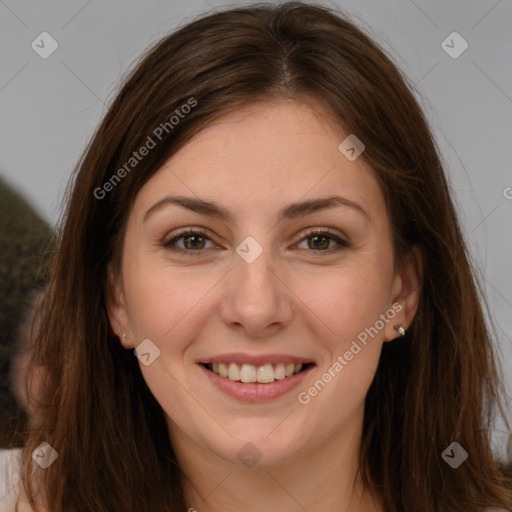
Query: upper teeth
[250, 373]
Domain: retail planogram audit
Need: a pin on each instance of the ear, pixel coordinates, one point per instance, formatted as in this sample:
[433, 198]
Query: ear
[117, 310]
[406, 292]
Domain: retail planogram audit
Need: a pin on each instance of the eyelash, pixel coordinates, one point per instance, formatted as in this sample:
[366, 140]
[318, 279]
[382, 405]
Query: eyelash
[169, 244]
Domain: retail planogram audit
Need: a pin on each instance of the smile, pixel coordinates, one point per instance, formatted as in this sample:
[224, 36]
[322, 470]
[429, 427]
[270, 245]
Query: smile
[249, 373]
[255, 378]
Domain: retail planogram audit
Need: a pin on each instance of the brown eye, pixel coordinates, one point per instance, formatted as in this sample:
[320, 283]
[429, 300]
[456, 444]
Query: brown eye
[319, 241]
[193, 241]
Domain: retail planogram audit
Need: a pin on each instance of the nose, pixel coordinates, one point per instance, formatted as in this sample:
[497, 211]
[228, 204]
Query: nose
[256, 299]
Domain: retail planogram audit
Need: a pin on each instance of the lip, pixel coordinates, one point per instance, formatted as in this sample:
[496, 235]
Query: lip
[254, 391]
[256, 360]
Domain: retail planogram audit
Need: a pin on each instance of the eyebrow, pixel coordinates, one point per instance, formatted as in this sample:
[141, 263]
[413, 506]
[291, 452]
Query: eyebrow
[290, 212]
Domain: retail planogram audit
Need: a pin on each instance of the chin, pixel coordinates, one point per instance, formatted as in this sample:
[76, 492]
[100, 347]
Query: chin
[264, 448]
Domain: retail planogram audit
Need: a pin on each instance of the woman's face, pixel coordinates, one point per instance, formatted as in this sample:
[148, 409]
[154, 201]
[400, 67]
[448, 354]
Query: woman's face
[259, 293]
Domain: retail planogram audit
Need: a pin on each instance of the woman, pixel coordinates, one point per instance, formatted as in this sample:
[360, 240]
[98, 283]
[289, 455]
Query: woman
[262, 215]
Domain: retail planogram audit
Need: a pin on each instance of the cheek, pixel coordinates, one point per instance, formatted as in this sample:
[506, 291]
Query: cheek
[162, 301]
[347, 301]
[167, 307]
[350, 304]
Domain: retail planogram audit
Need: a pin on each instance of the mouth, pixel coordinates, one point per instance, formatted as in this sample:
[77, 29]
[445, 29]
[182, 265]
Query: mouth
[255, 378]
[266, 373]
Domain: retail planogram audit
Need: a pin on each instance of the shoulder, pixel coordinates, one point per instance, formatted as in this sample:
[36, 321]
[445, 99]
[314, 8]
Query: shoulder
[10, 482]
[9, 478]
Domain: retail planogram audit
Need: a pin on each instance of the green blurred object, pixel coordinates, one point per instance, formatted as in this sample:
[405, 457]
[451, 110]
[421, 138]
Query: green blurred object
[26, 244]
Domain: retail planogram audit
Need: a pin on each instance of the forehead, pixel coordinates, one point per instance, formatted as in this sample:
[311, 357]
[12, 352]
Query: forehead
[263, 155]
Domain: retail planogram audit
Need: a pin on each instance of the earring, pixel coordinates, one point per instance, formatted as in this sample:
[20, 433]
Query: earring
[400, 329]
[124, 337]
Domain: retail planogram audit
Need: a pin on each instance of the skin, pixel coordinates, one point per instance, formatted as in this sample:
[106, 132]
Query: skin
[294, 299]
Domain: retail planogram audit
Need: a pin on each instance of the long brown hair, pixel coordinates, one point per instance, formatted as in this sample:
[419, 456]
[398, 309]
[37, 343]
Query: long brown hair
[437, 385]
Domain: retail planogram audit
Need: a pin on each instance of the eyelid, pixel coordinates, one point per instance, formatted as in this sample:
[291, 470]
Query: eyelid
[308, 232]
[340, 239]
[167, 243]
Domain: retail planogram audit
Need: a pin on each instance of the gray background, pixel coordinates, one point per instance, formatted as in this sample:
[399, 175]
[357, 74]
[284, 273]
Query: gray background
[51, 106]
